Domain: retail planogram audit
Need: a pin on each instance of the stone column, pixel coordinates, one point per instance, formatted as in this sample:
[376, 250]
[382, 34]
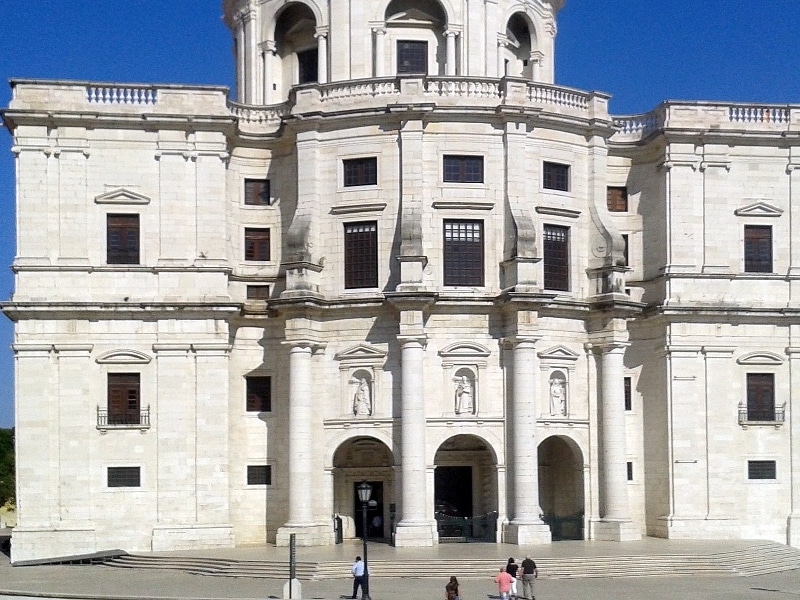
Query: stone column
[380, 51]
[450, 67]
[251, 51]
[536, 65]
[793, 521]
[240, 59]
[414, 528]
[268, 48]
[526, 527]
[322, 54]
[615, 522]
[502, 44]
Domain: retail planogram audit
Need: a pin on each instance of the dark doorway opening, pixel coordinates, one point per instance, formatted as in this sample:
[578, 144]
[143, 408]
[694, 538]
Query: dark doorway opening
[375, 526]
[453, 491]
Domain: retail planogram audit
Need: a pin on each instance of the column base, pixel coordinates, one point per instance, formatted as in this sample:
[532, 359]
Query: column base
[305, 535]
[527, 534]
[615, 531]
[415, 535]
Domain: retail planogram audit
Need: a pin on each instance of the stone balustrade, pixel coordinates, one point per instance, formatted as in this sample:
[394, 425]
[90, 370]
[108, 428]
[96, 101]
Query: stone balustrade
[121, 94]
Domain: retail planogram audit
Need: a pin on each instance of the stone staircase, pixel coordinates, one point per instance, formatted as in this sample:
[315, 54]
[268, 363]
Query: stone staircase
[756, 559]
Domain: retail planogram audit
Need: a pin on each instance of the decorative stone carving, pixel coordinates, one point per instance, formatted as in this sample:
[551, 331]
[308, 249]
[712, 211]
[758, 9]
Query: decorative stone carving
[558, 394]
[464, 396]
[362, 399]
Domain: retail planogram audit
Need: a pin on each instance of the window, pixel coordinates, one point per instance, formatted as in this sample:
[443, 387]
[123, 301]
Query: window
[412, 57]
[259, 393]
[616, 199]
[360, 171]
[463, 169]
[761, 469]
[307, 62]
[463, 253]
[758, 248]
[259, 474]
[122, 239]
[760, 397]
[628, 394]
[258, 292]
[124, 477]
[630, 470]
[556, 257]
[256, 244]
[361, 255]
[626, 245]
[256, 192]
[124, 404]
[556, 177]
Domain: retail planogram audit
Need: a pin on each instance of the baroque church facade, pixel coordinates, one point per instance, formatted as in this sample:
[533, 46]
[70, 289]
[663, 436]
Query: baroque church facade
[402, 255]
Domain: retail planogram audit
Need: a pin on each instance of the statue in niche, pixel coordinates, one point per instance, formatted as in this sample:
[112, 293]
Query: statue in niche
[465, 399]
[558, 394]
[362, 399]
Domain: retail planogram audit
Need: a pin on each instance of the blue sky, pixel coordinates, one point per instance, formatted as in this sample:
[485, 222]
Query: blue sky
[641, 51]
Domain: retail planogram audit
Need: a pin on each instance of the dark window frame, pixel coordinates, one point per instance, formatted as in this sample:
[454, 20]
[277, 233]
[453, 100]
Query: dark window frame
[629, 470]
[361, 255]
[257, 244]
[123, 477]
[556, 176]
[308, 66]
[627, 387]
[360, 171]
[761, 397]
[259, 475]
[257, 292]
[258, 393]
[463, 252]
[123, 246]
[462, 168]
[762, 470]
[556, 257]
[758, 249]
[412, 57]
[617, 198]
[257, 192]
[124, 400]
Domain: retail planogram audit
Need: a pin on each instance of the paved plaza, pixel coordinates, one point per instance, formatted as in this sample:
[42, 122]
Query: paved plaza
[86, 581]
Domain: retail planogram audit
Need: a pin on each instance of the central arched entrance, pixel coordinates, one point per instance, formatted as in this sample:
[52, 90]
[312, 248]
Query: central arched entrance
[561, 487]
[465, 490]
[364, 459]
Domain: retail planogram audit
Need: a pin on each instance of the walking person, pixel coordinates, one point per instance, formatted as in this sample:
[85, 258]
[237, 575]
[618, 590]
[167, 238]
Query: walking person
[503, 581]
[358, 578]
[529, 574]
[511, 569]
[451, 590]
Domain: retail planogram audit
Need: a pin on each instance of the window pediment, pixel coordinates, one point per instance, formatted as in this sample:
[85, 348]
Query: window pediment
[463, 350]
[121, 196]
[362, 354]
[760, 358]
[123, 357]
[758, 209]
[558, 353]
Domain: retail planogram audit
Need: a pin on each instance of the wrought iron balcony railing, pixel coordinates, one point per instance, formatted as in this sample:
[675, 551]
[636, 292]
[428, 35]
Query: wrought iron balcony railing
[123, 420]
[768, 416]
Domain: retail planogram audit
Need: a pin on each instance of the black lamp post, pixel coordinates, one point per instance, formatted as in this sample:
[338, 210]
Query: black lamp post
[364, 493]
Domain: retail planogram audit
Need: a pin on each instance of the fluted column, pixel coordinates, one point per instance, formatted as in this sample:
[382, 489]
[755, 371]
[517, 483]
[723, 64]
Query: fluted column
[450, 67]
[322, 54]
[379, 34]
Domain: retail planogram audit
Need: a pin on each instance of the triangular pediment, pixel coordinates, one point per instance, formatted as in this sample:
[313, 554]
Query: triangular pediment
[360, 352]
[465, 350]
[413, 15]
[759, 209]
[760, 358]
[559, 353]
[121, 196]
[123, 357]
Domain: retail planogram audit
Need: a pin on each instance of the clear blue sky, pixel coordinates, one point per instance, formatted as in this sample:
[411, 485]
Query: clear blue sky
[640, 51]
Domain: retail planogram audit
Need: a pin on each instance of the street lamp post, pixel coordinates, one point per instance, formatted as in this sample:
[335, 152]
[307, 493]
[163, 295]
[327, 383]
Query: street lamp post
[364, 493]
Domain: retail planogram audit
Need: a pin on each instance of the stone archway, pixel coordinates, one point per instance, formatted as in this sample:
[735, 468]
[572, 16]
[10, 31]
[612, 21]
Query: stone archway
[465, 490]
[561, 487]
[367, 459]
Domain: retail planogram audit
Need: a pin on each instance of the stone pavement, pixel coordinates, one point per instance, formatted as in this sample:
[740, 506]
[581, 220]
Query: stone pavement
[85, 581]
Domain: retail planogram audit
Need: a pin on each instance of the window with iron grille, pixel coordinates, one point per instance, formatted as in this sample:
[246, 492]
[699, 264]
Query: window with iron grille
[760, 397]
[256, 192]
[617, 199]
[555, 177]
[412, 57]
[761, 469]
[256, 244]
[124, 402]
[463, 169]
[124, 477]
[463, 253]
[758, 248]
[259, 393]
[556, 257]
[628, 393]
[361, 255]
[360, 171]
[257, 292]
[259, 474]
[307, 63]
[122, 239]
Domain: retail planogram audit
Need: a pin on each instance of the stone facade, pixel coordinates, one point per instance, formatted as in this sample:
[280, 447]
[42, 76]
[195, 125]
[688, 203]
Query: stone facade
[403, 255]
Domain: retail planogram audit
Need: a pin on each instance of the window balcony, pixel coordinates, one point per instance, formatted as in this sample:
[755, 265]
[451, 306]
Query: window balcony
[759, 417]
[123, 420]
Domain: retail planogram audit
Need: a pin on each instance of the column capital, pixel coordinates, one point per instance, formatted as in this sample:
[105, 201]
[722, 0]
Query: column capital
[420, 339]
[301, 344]
[321, 32]
[269, 46]
[611, 347]
[521, 341]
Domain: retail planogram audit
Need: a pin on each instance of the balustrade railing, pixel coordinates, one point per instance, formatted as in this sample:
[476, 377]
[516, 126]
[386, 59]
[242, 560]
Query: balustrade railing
[113, 419]
[122, 94]
[758, 114]
[359, 88]
[770, 416]
[556, 96]
[461, 87]
[259, 115]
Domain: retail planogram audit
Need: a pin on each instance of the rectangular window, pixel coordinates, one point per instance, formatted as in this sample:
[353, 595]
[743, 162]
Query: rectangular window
[556, 257]
[307, 63]
[556, 177]
[758, 248]
[463, 169]
[256, 244]
[259, 393]
[259, 474]
[361, 255]
[625, 247]
[256, 192]
[628, 393]
[124, 403]
[412, 57]
[258, 292]
[617, 199]
[360, 171]
[124, 477]
[122, 239]
[630, 471]
[761, 469]
[760, 397]
[463, 253]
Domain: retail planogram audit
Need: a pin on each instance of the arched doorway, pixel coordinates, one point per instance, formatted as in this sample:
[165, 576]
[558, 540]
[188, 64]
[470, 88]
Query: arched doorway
[465, 490]
[561, 487]
[296, 45]
[364, 459]
[520, 41]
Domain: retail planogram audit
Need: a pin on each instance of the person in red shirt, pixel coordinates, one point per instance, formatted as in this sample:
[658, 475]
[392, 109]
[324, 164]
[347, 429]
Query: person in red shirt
[503, 581]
